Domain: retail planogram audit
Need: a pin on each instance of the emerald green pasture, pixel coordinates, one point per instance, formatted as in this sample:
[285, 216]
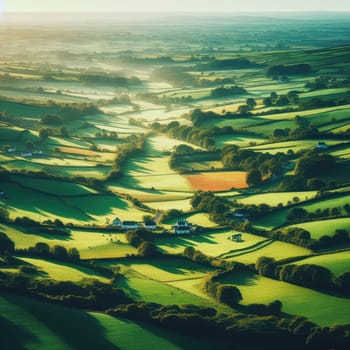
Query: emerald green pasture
[274, 198]
[35, 325]
[321, 228]
[236, 123]
[212, 244]
[266, 128]
[62, 271]
[323, 309]
[158, 144]
[67, 167]
[80, 209]
[201, 165]
[278, 218]
[182, 204]
[162, 270]
[337, 262]
[54, 187]
[28, 110]
[148, 195]
[295, 146]
[239, 140]
[16, 136]
[268, 248]
[310, 113]
[92, 244]
[149, 290]
[153, 173]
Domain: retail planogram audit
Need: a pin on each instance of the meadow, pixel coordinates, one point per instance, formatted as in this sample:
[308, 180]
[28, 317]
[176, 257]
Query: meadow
[148, 122]
[295, 299]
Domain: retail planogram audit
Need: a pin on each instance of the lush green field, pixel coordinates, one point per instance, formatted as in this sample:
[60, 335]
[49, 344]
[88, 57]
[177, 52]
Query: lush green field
[239, 140]
[146, 289]
[212, 244]
[93, 208]
[338, 262]
[59, 188]
[61, 271]
[139, 82]
[273, 249]
[34, 325]
[278, 218]
[162, 270]
[181, 204]
[295, 300]
[92, 244]
[274, 198]
[321, 228]
[295, 146]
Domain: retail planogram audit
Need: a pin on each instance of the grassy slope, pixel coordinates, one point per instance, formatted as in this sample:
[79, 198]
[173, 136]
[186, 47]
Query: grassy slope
[338, 263]
[324, 227]
[34, 325]
[320, 308]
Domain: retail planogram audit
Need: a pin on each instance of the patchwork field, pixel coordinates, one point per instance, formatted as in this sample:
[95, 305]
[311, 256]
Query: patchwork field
[105, 118]
[295, 299]
[338, 262]
[217, 181]
[38, 325]
[321, 228]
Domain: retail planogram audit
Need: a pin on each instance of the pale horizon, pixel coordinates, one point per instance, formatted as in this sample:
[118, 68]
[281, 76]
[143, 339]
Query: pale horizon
[179, 6]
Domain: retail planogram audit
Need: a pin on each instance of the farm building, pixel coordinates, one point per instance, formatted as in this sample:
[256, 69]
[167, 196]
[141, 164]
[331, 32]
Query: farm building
[130, 225]
[240, 215]
[117, 222]
[321, 145]
[182, 228]
[237, 237]
[149, 225]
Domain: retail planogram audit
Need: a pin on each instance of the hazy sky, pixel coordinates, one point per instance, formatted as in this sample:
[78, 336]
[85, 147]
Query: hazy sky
[174, 5]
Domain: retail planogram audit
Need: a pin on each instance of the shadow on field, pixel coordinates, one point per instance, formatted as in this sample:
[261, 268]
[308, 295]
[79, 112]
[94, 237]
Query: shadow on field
[101, 205]
[123, 283]
[76, 328]
[245, 279]
[13, 336]
[186, 342]
[176, 241]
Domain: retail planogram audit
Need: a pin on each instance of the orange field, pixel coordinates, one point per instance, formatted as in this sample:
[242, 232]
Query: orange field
[218, 181]
[83, 152]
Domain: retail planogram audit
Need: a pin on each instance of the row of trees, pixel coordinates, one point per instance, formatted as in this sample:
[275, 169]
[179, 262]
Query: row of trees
[300, 214]
[124, 152]
[258, 165]
[143, 240]
[89, 294]
[57, 252]
[306, 275]
[294, 332]
[301, 237]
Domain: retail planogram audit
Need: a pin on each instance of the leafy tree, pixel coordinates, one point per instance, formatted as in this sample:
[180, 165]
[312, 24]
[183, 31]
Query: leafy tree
[64, 132]
[73, 254]
[44, 133]
[228, 294]
[297, 214]
[59, 252]
[148, 249]
[313, 164]
[251, 102]
[6, 244]
[4, 214]
[42, 249]
[30, 146]
[243, 109]
[254, 178]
